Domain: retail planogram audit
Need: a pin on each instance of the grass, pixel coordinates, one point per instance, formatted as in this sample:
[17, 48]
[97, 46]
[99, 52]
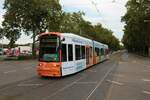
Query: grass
[21, 57]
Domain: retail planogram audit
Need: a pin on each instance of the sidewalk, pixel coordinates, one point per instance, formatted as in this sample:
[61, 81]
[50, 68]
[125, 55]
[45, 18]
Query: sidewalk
[3, 57]
[131, 80]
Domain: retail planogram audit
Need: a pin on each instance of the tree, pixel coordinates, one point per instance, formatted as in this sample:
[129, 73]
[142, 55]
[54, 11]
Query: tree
[1, 33]
[35, 16]
[106, 36]
[137, 28]
[75, 23]
[11, 27]
[71, 22]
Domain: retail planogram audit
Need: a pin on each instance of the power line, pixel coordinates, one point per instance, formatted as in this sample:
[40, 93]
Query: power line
[95, 5]
[98, 11]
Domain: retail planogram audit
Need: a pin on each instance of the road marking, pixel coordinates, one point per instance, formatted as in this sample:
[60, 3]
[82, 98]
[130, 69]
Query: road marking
[143, 65]
[109, 93]
[148, 66]
[134, 61]
[146, 92]
[11, 71]
[146, 80]
[92, 71]
[117, 75]
[62, 89]
[100, 82]
[146, 71]
[26, 85]
[86, 82]
[27, 68]
[115, 82]
[120, 62]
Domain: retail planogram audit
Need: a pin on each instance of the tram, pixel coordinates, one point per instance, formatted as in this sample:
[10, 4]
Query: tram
[62, 54]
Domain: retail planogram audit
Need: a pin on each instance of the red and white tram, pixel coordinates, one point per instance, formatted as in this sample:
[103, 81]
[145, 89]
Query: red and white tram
[63, 54]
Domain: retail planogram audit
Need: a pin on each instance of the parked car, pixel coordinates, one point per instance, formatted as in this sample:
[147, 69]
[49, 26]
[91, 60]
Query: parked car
[1, 51]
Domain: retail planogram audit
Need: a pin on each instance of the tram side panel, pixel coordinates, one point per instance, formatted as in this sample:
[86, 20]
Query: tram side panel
[94, 53]
[74, 65]
[67, 66]
[97, 52]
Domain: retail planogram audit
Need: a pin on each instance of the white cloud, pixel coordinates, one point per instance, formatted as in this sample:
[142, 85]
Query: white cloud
[72, 3]
[110, 12]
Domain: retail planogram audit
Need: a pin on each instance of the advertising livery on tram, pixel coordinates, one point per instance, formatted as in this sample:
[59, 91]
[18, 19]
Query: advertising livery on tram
[62, 54]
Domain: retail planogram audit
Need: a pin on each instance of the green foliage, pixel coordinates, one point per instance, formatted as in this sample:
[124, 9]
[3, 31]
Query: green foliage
[33, 17]
[11, 26]
[1, 33]
[137, 28]
[74, 23]
[71, 22]
[25, 57]
[106, 36]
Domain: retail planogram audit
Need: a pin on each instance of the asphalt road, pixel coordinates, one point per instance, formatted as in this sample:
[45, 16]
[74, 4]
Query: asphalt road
[123, 77]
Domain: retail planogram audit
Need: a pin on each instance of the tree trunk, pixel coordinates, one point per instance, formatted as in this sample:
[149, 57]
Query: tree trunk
[11, 43]
[33, 45]
[149, 51]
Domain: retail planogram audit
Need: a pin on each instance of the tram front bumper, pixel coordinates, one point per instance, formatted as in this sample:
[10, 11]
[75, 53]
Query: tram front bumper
[49, 69]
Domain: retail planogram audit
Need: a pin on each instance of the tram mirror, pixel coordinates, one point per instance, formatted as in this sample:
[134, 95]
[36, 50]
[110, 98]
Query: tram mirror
[62, 39]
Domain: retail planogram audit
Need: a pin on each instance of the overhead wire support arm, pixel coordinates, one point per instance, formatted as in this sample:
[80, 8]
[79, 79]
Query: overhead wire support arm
[95, 5]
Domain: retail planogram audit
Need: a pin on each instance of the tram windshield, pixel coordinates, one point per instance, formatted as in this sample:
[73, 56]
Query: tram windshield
[49, 47]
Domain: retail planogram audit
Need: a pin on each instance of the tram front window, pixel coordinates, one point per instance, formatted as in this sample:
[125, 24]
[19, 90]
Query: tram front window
[49, 47]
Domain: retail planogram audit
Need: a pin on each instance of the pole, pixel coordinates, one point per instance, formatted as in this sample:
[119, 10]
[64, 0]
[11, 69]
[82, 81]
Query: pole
[2, 46]
[149, 52]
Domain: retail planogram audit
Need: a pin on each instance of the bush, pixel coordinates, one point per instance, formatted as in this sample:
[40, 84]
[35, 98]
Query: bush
[25, 57]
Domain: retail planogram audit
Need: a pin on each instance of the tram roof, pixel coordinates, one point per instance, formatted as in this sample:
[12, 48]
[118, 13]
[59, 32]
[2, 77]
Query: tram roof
[80, 37]
[72, 35]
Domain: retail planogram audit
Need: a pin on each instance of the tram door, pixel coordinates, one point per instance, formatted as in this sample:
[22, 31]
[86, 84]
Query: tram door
[87, 56]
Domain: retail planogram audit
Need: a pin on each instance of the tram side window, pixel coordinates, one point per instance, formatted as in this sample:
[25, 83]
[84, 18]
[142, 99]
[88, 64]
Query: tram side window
[83, 52]
[77, 52]
[97, 51]
[91, 51]
[102, 51]
[70, 52]
[64, 53]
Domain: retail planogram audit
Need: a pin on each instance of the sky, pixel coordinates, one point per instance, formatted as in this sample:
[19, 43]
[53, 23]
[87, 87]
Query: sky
[109, 14]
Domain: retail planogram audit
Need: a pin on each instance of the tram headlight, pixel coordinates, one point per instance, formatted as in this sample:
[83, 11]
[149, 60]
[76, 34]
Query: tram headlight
[40, 64]
[56, 65]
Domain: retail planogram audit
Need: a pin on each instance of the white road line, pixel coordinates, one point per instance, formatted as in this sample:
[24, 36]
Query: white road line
[62, 89]
[117, 75]
[146, 70]
[134, 61]
[11, 71]
[143, 64]
[26, 85]
[86, 82]
[148, 66]
[27, 68]
[100, 82]
[109, 93]
[92, 71]
[120, 62]
[146, 92]
[146, 80]
[115, 82]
